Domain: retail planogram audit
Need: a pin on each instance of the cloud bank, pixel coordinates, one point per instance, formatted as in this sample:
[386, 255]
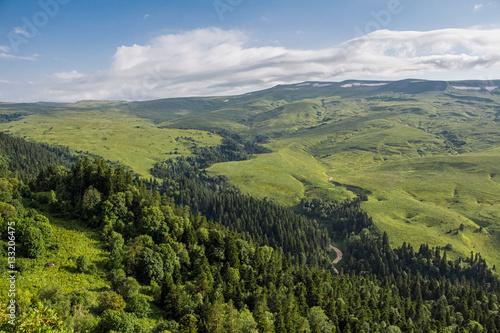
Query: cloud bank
[212, 61]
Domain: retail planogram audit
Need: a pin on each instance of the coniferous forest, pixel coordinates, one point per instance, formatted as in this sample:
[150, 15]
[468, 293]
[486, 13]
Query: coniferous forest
[187, 252]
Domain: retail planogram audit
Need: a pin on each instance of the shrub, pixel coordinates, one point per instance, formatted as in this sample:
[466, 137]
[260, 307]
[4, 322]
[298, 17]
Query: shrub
[319, 321]
[53, 296]
[109, 300]
[166, 325]
[47, 233]
[91, 198]
[82, 263]
[152, 264]
[139, 305]
[128, 288]
[188, 324]
[116, 321]
[33, 243]
[83, 322]
[7, 211]
[82, 298]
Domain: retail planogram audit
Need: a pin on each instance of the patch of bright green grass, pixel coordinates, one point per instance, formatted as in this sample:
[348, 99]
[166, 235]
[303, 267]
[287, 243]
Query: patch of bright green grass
[286, 176]
[70, 240]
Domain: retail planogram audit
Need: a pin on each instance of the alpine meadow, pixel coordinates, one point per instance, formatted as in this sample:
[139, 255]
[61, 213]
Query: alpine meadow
[235, 166]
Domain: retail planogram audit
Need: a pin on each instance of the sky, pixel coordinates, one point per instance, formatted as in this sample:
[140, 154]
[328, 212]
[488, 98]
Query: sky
[71, 50]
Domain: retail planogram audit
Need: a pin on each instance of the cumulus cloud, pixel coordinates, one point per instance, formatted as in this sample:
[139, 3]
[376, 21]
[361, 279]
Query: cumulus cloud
[219, 62]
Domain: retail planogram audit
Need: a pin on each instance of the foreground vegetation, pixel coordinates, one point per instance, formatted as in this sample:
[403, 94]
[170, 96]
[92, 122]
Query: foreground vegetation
[129, 259]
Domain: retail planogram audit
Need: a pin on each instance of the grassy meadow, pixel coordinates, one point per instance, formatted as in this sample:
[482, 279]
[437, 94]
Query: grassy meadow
[112, 134]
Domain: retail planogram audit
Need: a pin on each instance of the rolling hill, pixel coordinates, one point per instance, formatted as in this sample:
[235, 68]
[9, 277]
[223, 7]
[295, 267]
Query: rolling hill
[426, 153]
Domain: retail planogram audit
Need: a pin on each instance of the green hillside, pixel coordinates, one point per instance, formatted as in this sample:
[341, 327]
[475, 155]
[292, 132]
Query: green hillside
[426, 153]
[105, 131]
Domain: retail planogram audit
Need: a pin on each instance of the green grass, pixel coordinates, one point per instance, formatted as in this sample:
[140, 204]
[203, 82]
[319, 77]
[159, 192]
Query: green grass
[111, 134]
[287, 175]
[70, 240]
[422, 198]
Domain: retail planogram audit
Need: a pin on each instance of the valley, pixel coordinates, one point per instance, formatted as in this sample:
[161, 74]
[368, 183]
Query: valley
[250, 166]
[425, 153]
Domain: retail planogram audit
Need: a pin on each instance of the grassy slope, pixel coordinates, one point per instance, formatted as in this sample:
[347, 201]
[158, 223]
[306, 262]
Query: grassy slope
[114, 135]
[423, 198]
[286, 175]
[70, 240]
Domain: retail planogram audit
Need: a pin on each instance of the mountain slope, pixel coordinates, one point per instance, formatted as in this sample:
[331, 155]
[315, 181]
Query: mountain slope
[426, 153]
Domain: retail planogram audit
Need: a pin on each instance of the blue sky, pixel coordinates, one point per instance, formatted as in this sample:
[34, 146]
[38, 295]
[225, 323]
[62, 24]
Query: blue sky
[68, 50]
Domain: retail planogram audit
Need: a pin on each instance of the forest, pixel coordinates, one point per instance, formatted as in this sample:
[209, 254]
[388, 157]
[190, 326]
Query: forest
[190, 253]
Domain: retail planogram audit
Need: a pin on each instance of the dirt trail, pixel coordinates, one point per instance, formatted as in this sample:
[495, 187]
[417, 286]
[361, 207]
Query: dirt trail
[339, 254]
[339, 257]
[329, 178]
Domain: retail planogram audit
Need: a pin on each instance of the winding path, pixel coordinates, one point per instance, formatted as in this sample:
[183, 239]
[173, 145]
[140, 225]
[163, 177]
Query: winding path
[339, 257]
[339, 253]
[329, 178]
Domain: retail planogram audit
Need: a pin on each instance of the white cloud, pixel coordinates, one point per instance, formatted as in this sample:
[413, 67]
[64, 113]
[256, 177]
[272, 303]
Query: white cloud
[20, 31]
[146, 16]
[481, 6]
[6, 53]
[68, 75]
[10, 56]
[218, 62]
